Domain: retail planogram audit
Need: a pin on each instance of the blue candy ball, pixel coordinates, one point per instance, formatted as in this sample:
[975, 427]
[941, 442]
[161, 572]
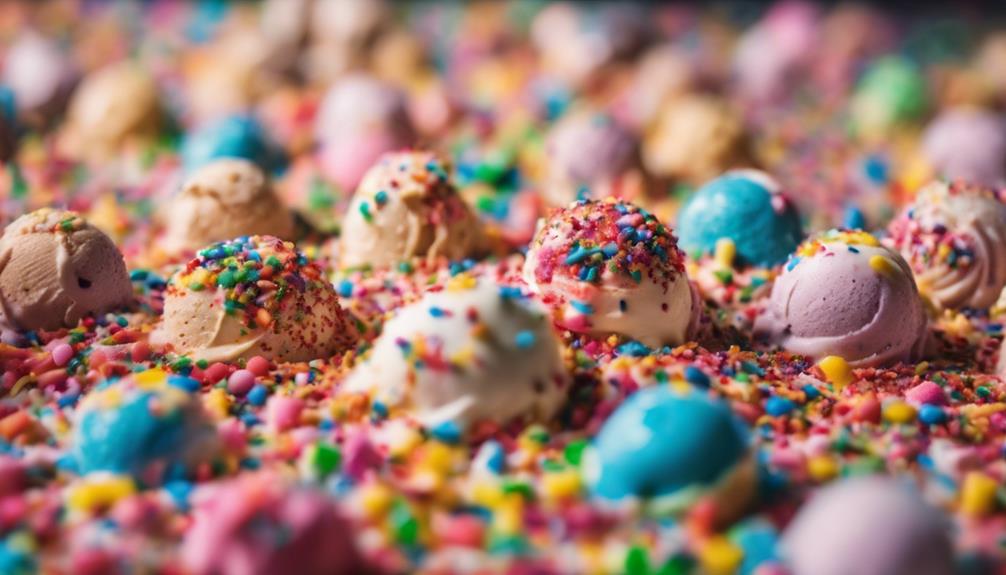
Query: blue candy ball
[126, 428]
[660, 441]
[739, 206]
[229, 137]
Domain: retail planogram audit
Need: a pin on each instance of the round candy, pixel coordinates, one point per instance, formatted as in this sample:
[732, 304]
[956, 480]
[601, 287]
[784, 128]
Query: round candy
[253, 296]
[844, 294]
[747, 208]
[225, 199]
[360, 119]
[56, 268]
[870, 526]
[229, 137]
[672, 445]
[257, 525]
[39, 75]
[145, 425]
[696, 138]
[113, 109]
[967, 144]
[473, 352]
[954, 238]
[591, 156]
[611, 267]
[406, 207]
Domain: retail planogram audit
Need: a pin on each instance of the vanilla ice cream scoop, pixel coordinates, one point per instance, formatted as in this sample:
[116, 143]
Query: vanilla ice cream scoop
[406, 207]
[475, 351]
[225, 199]
[954, 238]
[611, 267]
[252, 296]
[56, 268]
[113, 108]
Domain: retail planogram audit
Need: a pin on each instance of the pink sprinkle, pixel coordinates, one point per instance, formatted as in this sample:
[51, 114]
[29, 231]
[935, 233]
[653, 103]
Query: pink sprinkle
[241, 382]
[215, 372]
[258, 365]
[284, 412]
[140, 351]
[926, 392]
[62, 354]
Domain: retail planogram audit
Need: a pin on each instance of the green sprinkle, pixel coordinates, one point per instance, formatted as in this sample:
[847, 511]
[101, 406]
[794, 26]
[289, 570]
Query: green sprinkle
[365, 212]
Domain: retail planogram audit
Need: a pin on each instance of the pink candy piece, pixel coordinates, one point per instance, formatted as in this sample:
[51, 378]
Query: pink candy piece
[62, 354]
[926, 392]
[240, 382]
[258, 365]
[284, 412]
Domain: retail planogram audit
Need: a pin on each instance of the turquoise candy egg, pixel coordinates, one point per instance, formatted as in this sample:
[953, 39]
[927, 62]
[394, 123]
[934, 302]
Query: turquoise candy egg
[661, 441]
[127, 428]
[743, 207]
[229, 137]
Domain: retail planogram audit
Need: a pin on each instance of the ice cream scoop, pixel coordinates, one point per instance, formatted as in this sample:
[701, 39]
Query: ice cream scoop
[473, 352]
[113, 108]
[591, 156]
[254, 295]
[844, 294]
[236, 136]
[56, 268]
[748, 208]
[257, 525]
[611, 267]
[406, 207]
[967, 144]
[144, 425]
[673, 447]
[953, 236]
[359, 119]
[225, 199]
[891, 94]
[871, 526]
[696, 138]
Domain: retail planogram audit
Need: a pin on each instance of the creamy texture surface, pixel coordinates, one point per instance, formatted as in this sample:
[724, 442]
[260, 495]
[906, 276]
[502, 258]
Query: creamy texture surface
[474, 352]
[954, 238]
[223, 200]
[846, 295]
[55, 268]
[406, 207]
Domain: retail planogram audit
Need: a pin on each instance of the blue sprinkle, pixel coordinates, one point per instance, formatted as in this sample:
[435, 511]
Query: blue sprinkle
[696, 376]
[381, 197]
[380, 410]
[610, 249]
[633, 349]
[437, 312]
[257, 395]
[854, 250]
[932, 414]
[345, 288]
[578, 255]
[793, 261]
[811, 392]
[582, 307]
[510, 292]
[525, 339]
[182, 382]
[491, 454]
[776, 406]
[447, 432]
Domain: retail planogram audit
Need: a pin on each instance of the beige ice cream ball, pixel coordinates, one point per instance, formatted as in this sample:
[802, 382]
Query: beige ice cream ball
[696, 138]
[475, 351]
[113, 108]
[56, 268]
[253, 296]
[225, 199]
[406, 207]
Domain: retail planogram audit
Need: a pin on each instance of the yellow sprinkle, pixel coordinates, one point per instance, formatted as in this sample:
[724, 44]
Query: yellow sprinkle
[978, 495]
[375, 500]
[899, 412]
[720, 556]
[883, 266]
[822, 468]
[111, 397]
[217, 402]
[150, 378]
[487, 494]
[438, 457]
[725, 252]
[836, 370]
[508, 516]
[561, 485]
[462, 281]
[100, 493]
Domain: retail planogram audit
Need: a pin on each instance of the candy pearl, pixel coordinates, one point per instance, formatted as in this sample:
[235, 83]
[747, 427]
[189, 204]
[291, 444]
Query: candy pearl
[240, 382]
[62, 354]
[258, 365]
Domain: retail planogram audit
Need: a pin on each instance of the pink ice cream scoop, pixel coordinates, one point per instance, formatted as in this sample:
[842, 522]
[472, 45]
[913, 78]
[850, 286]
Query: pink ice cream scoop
[256, 526]
[869, 526]
[968, 144]
[844, 294]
